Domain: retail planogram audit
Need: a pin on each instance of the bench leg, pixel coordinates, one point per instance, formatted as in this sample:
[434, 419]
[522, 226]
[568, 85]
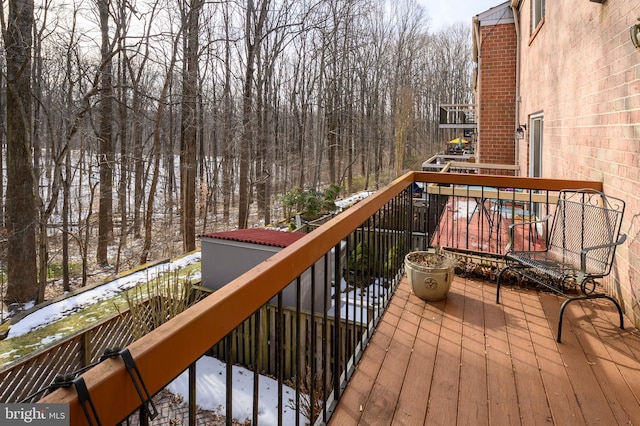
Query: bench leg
[595, 296]
[498, 284]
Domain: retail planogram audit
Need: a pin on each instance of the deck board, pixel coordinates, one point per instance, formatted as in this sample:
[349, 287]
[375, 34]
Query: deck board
[529, 390]
[442, 401]
[502, 399]
[411, 408]
[381, 404]
[590, 349]
[468, 360]
[473, 367]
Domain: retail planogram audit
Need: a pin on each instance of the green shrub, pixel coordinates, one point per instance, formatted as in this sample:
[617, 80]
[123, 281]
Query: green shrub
[395, 257]
[310, 204]
[362, 259]
[330, 196]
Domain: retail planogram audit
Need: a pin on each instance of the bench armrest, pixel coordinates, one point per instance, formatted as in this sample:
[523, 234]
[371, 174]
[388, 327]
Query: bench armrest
[586, 250]
[514, 225]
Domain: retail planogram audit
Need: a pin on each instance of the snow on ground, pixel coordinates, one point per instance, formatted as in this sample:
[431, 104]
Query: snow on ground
[355, 303]
[211, 393]
[348, 202]
[73, 304]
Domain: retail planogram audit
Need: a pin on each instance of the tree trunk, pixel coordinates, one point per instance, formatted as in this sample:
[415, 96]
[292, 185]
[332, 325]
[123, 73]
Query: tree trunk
[227, 151]
[157, 136]
[66, 199]
[3, 126]
[21, 209]
[43, 254]
[253, 37]
[138, 162]
[105, 138]
[189, 130]
[124, 157]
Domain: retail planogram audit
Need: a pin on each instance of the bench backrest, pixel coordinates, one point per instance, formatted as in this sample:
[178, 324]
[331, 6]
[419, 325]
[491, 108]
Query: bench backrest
[586, 218]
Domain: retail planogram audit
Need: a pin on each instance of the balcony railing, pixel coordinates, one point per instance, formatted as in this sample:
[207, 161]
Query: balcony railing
[457, 116]
[466, 163]
[314, 351]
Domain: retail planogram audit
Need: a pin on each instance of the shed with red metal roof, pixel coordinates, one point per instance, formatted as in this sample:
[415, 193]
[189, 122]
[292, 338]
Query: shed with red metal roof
[227, 255]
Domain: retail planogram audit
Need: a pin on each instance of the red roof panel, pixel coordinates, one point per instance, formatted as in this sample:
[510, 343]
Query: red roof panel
[265, 237]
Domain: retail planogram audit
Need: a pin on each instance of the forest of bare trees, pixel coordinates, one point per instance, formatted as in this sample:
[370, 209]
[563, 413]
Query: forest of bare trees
[122, 119]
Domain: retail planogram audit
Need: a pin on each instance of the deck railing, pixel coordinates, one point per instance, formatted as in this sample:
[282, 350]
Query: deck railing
[457, 116]
[362, 251]
[466, 163]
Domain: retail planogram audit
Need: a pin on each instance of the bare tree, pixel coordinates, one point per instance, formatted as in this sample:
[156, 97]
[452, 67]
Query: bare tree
[157, 145]
[276, 39]
[67, 101]
[142, 51]
[189, 127]
[254, 27]
[21, 209]
[227, 119]
[106, 154]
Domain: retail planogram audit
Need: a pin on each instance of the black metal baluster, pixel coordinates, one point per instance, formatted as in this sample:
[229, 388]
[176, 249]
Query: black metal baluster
[193, 406]
[280, 357]
[325, 324]
[298, 338]
[257, 361]
[311, 352]
[229, 379]
[336, 324]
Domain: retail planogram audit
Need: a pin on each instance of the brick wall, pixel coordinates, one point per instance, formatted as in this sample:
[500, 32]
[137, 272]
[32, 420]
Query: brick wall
[497, 91]
[582, 72]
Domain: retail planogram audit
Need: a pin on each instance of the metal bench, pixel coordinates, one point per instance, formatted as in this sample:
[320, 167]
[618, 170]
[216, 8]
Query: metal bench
[580, 248]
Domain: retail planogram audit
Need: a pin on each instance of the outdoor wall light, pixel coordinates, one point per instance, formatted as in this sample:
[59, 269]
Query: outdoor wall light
[635, 35]
[520, 131]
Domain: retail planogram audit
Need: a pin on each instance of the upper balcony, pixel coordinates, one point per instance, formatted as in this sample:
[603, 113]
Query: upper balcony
[457, 116]
[369, 352]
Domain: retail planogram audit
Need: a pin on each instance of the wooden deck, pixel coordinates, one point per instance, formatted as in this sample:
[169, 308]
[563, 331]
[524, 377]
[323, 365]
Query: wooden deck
[469, 361]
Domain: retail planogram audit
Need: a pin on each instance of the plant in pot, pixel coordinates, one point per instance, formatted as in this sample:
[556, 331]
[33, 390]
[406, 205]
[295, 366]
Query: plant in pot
[430, 273]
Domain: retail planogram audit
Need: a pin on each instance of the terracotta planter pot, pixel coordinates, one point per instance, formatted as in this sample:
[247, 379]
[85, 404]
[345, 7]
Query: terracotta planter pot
[429, 276]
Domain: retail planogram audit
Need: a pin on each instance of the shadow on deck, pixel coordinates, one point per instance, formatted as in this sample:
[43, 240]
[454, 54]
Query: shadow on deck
[467, 360]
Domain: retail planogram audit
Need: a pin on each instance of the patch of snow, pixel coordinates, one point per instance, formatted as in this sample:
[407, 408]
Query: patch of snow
[211, 393]
[50, 339]
[355, 303]
[9, 354]
[348, 202]
[70, 305]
